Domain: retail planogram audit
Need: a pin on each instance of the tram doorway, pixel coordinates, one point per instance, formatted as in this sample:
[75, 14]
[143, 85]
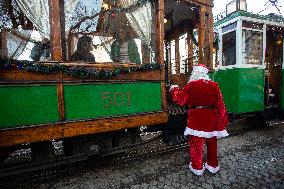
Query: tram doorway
[273, 66]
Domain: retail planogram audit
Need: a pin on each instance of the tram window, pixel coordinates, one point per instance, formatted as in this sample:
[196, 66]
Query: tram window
[18, 40]
[173, 56]
[118, 31]
[253, 47]
[183, 53]
[252, 25]
[229, 48]
[229, 27]
[122, 31]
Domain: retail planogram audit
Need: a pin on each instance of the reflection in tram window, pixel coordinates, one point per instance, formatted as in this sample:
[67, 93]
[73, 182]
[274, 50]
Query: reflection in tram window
[229, 27]
[173, 57]
[183, 53]
[252, 48]
[252, 25]
[229, 48]
[124, 48]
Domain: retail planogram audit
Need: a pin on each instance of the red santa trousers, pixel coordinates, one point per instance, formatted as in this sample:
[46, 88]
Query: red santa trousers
[196, 154]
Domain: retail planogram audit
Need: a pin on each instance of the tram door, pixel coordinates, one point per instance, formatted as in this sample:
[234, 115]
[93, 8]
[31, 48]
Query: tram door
[273, 61]
[181, 23]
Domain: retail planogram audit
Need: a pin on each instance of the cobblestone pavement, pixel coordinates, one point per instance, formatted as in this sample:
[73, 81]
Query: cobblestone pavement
[251, 160]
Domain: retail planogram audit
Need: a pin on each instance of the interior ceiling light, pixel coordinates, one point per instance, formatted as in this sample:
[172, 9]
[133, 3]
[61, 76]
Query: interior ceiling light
[279, 39]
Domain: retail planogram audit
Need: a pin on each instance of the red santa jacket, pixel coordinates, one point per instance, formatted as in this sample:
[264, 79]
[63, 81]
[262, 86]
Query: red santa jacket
[203, 122]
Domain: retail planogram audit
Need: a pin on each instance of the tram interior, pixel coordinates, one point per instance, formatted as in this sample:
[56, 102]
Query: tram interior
[273, 63]
[104, 31]
[180, 23]
[96, 30]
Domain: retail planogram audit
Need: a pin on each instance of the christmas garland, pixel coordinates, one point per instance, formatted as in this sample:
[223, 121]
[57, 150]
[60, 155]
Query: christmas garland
[75, 71]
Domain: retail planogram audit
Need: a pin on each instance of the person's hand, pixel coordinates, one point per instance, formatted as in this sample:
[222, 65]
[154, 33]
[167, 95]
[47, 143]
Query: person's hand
[172, 87]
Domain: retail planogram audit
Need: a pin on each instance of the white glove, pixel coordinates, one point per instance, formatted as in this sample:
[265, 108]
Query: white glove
[172, 87]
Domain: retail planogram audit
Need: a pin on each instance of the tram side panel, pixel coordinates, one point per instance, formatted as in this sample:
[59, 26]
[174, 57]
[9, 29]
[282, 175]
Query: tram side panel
[242, 89]
[27, 105]
[117, 100]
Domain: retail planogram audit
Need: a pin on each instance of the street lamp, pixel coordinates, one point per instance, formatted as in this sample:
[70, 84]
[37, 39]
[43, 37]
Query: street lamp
[236, 5]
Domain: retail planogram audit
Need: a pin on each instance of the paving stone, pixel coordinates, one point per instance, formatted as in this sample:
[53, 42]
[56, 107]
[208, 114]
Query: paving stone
[176, 185]
[250, 160]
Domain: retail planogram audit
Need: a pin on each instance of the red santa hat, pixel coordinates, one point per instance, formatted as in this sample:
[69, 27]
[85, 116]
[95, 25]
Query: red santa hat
[201, 68]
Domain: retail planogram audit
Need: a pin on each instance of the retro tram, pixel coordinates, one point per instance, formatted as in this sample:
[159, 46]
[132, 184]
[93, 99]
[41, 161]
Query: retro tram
[91, 73]
[249, 61]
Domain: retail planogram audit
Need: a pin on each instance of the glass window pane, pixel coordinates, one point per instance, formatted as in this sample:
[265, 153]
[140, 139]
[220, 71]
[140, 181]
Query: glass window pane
[252, 25]
[112, 31]
[195, 48]
[183, 53]
[173, 56]
[20, 38]
[229, 27]
[253, 47]
[229, 49]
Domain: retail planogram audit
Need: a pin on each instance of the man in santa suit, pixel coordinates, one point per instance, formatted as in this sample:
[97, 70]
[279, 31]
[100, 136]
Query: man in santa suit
[207, 118]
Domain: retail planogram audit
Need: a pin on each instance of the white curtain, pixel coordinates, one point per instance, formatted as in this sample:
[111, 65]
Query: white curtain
[140, 20]
[37, 11]
[16, 42]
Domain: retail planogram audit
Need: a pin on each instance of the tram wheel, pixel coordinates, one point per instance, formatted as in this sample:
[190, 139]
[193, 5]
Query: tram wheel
[5, 152]
[174, 130]
[258, 120]
[67, 147]
[42, 151]
[75, 146]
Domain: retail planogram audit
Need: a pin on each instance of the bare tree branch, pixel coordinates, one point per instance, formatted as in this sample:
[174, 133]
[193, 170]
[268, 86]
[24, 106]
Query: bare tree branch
[78, 24]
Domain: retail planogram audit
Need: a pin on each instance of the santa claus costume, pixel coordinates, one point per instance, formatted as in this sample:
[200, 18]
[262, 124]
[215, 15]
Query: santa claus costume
[207, 118]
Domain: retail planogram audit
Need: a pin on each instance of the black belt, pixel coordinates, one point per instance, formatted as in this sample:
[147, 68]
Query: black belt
[202, 107]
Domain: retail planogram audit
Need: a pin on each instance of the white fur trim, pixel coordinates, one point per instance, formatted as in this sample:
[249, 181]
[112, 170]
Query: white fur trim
[200, 69]
[212, 169]
[172, 87]
[196, 76]
[218, 134]
[196, 171]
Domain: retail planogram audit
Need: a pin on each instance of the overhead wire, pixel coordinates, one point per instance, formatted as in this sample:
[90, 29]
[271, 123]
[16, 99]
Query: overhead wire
[272, 4]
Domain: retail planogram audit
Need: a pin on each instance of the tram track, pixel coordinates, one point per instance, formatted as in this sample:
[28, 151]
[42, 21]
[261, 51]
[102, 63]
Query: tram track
[39, 171]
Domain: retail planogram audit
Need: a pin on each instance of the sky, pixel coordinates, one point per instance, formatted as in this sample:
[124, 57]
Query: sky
[255, 6]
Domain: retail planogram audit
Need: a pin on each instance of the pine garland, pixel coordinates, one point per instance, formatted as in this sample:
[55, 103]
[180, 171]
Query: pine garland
[75, 71]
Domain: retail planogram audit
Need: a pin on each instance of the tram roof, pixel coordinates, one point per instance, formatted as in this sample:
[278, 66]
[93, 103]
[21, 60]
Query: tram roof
[270, 18]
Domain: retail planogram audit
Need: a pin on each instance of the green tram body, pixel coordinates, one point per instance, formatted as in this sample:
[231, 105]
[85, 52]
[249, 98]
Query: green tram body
[39, 107]
[31, 109]
[243, 85]
[242, 89]
[24, 105]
